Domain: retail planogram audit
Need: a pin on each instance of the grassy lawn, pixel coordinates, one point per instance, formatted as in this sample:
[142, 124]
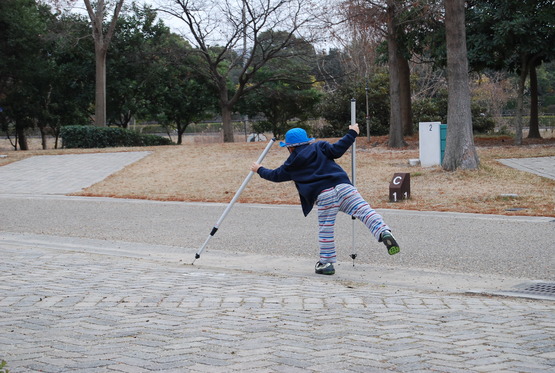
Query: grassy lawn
[213, 172]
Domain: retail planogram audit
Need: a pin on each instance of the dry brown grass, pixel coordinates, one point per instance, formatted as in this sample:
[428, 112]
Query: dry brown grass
[213, 172]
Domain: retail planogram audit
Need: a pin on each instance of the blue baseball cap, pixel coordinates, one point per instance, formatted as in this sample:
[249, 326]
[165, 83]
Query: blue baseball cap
[296, 137]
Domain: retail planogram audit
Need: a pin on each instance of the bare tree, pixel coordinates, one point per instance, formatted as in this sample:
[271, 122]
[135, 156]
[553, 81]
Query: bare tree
[227, 35]
[430, 81]
[380, 19]
[59, 5]
[493, 90]
[392, 19]
[101, 43]
[349, 25]
[460, 151]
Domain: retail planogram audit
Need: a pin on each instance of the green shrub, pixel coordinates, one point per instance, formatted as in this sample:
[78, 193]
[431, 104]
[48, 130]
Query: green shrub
[107, 137]
[435, 110]
[3, 368]
[429, 110]
[482, 121]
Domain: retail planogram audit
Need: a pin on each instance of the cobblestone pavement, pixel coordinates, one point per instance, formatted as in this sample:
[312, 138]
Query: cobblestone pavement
[62, 174]
[542, 166]
[68, 311]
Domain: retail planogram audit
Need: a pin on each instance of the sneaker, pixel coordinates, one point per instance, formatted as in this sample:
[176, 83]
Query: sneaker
[389, 242]
[324, 269]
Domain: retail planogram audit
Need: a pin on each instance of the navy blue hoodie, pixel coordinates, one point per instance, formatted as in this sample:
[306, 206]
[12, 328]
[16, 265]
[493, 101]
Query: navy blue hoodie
[313, 169]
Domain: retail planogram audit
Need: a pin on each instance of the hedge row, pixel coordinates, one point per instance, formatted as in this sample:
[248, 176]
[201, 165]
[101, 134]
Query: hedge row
[107, 137]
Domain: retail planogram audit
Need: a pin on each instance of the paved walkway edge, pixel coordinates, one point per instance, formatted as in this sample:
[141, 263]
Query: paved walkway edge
[403, 278]
[542, 166]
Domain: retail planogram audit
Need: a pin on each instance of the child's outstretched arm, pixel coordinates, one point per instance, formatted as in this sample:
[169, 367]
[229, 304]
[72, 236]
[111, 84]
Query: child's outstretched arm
[277, 175]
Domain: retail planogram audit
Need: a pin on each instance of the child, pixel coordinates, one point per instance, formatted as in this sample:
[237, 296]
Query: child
[320, 180]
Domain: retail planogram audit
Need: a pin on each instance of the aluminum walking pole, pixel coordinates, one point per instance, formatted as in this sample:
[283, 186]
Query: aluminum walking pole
[354, 175]
[235, 198]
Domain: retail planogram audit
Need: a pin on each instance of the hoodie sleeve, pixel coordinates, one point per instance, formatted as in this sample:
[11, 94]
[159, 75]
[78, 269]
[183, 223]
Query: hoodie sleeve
[277, 175]
[339, 148]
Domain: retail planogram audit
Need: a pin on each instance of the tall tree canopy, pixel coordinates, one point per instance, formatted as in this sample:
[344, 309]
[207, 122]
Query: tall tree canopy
[23, 64]
[289, 90]
[516, 35]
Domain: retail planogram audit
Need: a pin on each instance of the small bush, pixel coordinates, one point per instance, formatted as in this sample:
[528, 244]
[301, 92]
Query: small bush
[429, 110]
[3, 368]
[107, 137]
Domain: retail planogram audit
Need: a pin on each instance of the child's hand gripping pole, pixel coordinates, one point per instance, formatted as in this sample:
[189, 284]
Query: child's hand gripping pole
[353, 170]
[235, 198]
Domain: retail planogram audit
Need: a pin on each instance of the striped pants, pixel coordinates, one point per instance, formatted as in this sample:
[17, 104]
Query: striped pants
[344, 198]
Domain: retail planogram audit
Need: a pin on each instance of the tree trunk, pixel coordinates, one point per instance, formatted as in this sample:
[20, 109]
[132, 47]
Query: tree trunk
[405, 96]
[21, 137]
[100, 93]
[180, 131]
[534, 125]
[43, 138]
[460, 151]
[395, 124]
[179, 137]
[520, 101]
[226, 108]
[227, 124]
[101, 43]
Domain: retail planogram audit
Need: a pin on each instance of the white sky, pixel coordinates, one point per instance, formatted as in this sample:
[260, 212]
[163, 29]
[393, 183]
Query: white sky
[176, 25]
[173, 23]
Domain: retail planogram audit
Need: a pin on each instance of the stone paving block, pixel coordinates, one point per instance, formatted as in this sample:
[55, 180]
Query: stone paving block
[257, 365]
[528, 367]
[203, 368]
[548, 355]
[126, 368]
[448, 363]
[493, 367]
[41, 367]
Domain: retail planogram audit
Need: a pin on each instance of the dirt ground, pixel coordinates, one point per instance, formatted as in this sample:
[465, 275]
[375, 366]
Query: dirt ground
[208, 171]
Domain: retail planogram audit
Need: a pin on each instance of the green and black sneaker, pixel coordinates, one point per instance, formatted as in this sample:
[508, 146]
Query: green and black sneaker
[324, 269]
[389, 242]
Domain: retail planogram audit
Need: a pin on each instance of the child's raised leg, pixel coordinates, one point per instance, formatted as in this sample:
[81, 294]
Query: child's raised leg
[352, 203]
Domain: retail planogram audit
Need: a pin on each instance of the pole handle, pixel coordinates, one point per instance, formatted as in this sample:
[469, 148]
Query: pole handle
[354, 175]
[353, 148]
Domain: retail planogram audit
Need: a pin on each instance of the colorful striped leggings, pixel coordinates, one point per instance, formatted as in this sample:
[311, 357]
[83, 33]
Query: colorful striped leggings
[345, 198]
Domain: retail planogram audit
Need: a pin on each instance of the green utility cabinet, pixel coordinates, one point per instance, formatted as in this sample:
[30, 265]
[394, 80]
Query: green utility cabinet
[442, 140]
